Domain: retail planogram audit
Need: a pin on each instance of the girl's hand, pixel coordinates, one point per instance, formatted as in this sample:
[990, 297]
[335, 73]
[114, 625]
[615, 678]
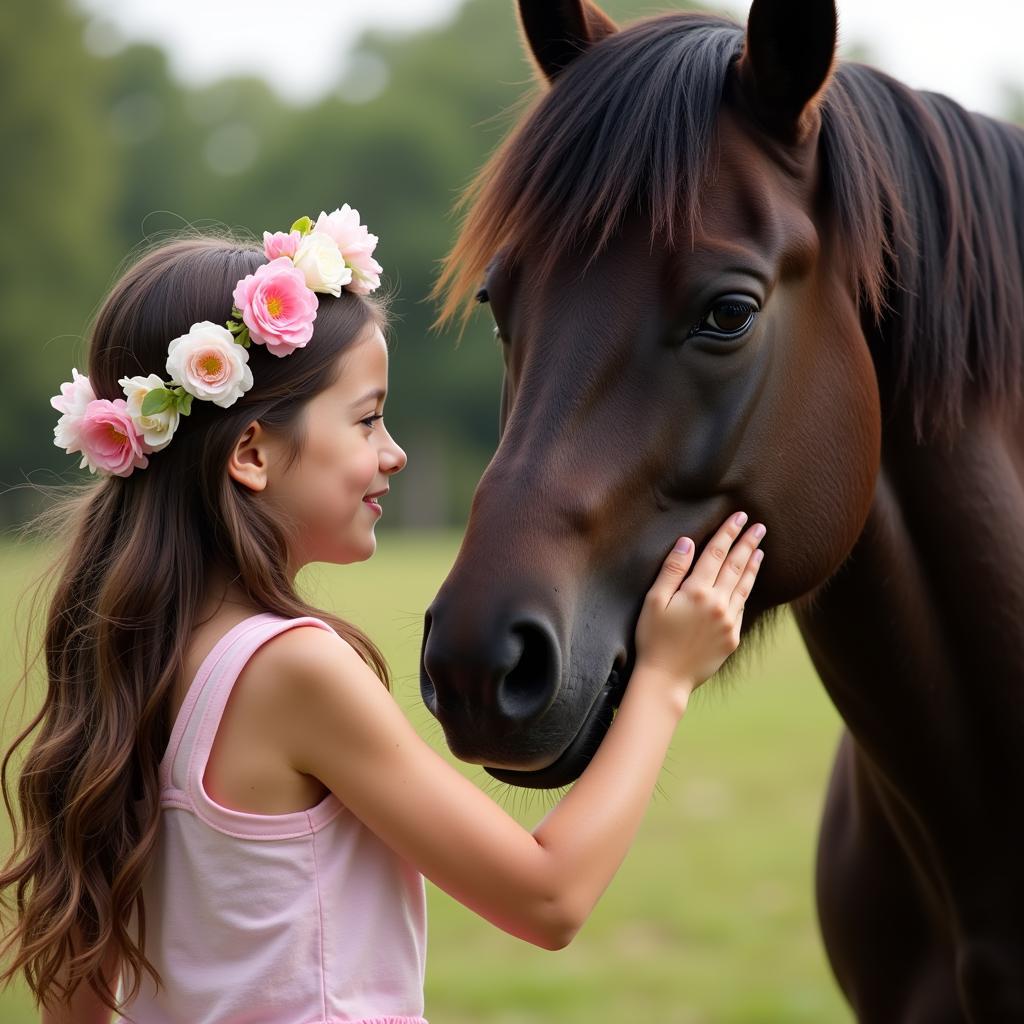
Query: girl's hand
[689, 626]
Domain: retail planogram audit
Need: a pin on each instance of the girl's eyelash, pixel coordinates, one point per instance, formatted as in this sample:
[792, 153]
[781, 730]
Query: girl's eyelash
[370, 420]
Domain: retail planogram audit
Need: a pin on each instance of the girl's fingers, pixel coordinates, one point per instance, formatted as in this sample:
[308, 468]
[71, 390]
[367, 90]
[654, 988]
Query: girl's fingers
[746, 583]
[738, 558]
[709, 565]
[673, 571]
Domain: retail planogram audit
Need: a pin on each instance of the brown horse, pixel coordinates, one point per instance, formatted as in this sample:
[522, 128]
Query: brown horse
[730, 273]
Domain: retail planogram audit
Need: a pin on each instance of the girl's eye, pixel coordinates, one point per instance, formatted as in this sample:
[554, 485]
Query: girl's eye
[728, 318]
[370, 420]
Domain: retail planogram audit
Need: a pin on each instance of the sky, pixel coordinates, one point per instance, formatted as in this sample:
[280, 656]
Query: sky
[969, 52]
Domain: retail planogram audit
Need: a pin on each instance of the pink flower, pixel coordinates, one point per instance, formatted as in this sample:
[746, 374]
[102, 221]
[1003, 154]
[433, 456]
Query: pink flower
[356, 245]
[73, 400]
[74, 396]
[277, 307]
[280, 243]
[209, 364]
[108, 440]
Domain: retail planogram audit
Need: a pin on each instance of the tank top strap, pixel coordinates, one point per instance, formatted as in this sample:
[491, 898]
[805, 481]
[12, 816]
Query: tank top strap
[196, 725]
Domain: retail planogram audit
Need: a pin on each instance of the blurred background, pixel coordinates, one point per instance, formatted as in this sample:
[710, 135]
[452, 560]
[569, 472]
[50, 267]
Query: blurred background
[131, 120]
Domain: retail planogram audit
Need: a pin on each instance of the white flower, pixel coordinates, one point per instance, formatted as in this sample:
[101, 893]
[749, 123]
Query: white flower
[157, 429]
[209, 364]
[322, 264]
[356, 245]
[72, 401]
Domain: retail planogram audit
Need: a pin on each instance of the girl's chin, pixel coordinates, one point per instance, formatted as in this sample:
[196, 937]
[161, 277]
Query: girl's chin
[356, 551]
[366, 550]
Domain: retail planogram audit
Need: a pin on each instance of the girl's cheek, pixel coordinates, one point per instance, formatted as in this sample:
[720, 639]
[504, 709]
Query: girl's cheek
[368, 470]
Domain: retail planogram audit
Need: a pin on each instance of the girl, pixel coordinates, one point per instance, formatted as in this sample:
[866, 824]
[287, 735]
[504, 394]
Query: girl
[225, 816]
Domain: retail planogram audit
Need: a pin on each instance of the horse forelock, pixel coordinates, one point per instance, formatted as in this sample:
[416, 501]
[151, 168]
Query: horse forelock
[629, 122]
[928, 199]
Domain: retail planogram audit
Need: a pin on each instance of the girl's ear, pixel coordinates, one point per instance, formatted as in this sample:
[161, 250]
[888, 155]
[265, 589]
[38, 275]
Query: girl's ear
[558, 31]
[249, 459]
[786, 62]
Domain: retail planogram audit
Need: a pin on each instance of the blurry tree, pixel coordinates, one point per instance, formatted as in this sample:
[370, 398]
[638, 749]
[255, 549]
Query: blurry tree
[56, 186]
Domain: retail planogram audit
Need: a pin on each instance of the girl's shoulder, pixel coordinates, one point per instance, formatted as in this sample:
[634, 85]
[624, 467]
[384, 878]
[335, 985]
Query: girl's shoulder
[293, 657]
[251, 766]
[217, 632]
[298, 667]
[302, 649]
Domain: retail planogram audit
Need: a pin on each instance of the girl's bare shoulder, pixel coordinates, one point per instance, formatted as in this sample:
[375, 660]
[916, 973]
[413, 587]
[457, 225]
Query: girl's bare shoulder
[305, 665]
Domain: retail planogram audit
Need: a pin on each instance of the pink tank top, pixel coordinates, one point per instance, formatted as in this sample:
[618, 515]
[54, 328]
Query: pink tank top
[299, 918]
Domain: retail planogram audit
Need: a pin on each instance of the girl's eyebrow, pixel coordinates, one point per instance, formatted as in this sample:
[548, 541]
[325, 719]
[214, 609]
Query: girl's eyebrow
[377, 394]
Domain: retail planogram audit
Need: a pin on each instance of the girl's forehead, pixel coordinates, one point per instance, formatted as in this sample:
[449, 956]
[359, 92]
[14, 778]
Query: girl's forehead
[364, 365]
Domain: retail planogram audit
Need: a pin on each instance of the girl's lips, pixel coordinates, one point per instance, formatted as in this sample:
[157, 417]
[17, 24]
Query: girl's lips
[374, 504]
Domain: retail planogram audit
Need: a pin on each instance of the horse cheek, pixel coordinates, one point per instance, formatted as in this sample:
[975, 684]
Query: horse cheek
[826, 450]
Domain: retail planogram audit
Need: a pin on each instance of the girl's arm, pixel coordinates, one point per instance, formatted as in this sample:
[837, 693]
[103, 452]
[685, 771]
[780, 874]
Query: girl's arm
[85, 1006]
[345, 729]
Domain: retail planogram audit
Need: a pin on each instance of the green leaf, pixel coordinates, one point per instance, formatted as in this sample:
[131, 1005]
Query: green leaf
[157, 401]
[303, 225]
[242, 338]
[236, 313]
[185, 403]
[235, 326]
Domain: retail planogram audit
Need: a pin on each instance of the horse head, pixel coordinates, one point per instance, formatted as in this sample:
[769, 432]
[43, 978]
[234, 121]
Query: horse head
[681, 319]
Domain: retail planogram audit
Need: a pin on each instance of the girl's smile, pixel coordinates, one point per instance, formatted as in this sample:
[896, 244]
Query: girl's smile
[373, 500]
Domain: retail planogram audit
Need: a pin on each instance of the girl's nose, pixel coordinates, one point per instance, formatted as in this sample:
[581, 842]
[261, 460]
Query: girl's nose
[392, 457]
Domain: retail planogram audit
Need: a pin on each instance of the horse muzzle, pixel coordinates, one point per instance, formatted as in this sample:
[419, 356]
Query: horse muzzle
[506, 695]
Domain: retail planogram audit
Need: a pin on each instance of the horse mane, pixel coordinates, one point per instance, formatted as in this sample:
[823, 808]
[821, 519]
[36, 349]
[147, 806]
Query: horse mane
[929, 198]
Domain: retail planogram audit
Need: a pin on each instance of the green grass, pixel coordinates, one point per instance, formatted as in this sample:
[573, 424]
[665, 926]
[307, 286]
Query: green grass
[709, 921]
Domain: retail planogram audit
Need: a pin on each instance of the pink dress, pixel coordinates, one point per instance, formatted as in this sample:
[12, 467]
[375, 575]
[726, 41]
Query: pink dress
[300, 918]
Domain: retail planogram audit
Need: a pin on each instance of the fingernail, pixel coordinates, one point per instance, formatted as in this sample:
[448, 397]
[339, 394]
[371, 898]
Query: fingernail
[740, 518]
[758, 557]
[759, 531]
[683, 545]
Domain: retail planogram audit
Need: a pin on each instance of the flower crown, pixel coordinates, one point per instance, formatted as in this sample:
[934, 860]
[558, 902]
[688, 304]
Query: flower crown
[275, 306]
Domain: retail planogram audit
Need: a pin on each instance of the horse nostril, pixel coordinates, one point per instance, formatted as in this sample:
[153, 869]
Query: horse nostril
[529, 686]
[427, 691]
[488, 678]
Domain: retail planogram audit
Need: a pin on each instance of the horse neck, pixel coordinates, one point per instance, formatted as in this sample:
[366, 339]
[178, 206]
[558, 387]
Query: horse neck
[917, 637]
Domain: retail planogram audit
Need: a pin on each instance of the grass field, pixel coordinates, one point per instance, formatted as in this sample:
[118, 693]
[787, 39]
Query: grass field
[709, 921]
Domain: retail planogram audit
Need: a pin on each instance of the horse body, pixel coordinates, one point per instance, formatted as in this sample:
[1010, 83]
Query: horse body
[918, 641]
[825, 330]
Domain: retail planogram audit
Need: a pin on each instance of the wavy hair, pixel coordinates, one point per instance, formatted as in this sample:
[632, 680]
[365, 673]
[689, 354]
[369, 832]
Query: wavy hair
[128, 586]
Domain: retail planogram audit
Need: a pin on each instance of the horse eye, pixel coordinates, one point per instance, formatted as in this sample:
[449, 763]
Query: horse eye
[483, 296]
[728, 318]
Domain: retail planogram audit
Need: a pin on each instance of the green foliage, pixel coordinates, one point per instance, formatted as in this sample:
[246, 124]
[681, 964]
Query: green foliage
[156, 401]
[159, 399]
[57, 186]
[236, 325]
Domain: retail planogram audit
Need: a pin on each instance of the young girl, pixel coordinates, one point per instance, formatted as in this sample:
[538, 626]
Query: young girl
[226, 817]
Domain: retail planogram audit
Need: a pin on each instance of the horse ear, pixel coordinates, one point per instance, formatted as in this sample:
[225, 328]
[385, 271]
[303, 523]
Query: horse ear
[560, 30]
[786, 61]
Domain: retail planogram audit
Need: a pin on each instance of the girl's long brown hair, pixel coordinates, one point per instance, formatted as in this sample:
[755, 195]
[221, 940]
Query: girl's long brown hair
[130, 581]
